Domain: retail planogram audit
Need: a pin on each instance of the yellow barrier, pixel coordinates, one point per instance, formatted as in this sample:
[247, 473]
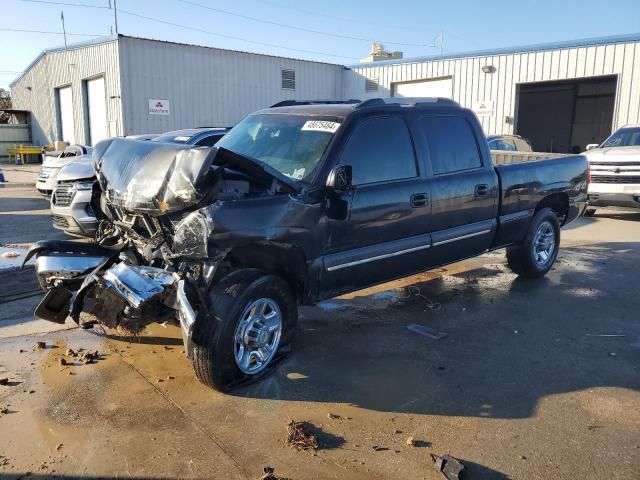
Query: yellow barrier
[19, 152]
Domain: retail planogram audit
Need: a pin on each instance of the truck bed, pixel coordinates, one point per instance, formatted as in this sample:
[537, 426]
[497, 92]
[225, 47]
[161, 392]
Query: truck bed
[527, 185]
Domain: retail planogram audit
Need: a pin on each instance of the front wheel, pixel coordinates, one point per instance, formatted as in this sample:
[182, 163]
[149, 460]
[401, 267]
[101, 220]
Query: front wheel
[251, 326]
[537, 254]
[589, 212]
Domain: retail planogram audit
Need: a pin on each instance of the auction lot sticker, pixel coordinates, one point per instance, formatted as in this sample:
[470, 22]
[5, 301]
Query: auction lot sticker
[320, 126]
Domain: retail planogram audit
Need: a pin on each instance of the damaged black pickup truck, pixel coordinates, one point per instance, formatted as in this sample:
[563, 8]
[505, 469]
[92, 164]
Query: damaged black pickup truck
[296, 204]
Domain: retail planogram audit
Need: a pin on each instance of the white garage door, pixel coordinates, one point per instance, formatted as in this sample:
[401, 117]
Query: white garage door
[68, 131]
[97, 109]
[442, 87]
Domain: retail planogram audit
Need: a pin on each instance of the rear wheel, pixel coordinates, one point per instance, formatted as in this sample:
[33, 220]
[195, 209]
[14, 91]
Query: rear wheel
[251, 327]
[589, 212]
[537, 254]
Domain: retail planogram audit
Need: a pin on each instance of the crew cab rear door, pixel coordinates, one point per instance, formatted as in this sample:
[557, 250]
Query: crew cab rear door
[386, 230]
[462, 185]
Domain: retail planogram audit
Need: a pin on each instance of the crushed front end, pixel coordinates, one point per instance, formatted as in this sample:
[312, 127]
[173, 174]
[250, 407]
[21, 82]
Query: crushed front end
[154, 259]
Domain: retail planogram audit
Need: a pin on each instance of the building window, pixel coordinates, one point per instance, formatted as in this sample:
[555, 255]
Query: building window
[371, 85]
[288, 79]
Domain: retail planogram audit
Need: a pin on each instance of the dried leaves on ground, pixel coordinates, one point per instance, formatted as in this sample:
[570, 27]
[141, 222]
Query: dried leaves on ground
[299, 436]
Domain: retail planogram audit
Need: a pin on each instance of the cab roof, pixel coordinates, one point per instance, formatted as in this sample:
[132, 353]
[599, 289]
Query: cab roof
[343, 108]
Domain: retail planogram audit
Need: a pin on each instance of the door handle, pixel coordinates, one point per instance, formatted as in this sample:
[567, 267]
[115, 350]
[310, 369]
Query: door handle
[419, 200]
[481, 190]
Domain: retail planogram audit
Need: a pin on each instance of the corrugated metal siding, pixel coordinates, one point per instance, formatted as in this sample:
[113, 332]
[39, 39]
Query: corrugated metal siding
[208, 86]
[62, 68]
[470, 84]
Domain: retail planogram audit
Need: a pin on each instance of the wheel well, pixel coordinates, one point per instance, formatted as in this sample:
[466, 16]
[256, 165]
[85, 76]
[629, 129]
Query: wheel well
[285, 261]
[559, 203]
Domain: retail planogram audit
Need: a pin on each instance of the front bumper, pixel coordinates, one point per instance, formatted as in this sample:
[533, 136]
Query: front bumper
[109, 288]
[76, 217]
[614, 195]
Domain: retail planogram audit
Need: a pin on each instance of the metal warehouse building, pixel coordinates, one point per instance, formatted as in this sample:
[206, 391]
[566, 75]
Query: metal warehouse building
[125, 85]
[561, 96]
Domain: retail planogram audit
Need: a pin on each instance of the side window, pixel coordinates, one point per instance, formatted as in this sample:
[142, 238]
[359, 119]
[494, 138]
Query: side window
[452, 144]
[209, 141]
[380, 149]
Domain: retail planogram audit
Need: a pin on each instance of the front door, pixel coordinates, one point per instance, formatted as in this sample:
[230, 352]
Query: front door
[385, 232]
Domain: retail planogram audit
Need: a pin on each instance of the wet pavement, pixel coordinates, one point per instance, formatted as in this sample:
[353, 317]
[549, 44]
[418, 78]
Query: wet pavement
[534, 380]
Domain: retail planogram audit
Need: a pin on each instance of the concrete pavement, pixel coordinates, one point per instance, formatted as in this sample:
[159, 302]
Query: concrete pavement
[528, 384]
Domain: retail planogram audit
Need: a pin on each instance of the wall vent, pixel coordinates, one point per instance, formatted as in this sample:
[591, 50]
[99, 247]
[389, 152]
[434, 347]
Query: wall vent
[371, 85]
[288, 79]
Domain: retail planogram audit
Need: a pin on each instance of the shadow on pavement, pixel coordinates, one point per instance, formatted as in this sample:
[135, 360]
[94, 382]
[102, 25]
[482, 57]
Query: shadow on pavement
[510, 341]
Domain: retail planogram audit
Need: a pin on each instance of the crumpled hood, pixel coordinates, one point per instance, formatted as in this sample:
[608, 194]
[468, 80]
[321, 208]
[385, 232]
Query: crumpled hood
[80, 168]
[57, 162]
[150, 177]
[614, 154]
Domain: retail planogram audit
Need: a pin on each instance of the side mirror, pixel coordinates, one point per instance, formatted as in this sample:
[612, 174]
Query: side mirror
[340, 177]
[591, 146]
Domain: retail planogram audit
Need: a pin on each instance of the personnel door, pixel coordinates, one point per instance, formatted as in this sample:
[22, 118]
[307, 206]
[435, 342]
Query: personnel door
[385, 233]
[97, 110]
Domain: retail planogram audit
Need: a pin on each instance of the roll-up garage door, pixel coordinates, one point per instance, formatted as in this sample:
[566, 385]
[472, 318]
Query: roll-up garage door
[97, 110]
[67, 129]
[440, 87]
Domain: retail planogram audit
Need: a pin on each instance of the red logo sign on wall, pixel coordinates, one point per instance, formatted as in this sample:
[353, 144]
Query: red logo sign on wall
[159, 107]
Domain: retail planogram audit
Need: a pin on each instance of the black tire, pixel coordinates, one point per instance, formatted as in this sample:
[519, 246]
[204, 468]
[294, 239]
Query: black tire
[521, 258]
[589, 212]
[213, 339]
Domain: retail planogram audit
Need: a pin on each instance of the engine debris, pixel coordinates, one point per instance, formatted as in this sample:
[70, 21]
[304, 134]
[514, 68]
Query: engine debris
[450, 467]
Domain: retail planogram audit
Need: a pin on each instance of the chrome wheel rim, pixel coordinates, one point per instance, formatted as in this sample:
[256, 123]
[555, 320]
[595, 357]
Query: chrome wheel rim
[257, 335]
[544, 244]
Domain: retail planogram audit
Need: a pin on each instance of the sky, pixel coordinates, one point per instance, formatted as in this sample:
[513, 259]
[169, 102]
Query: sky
[335, 31]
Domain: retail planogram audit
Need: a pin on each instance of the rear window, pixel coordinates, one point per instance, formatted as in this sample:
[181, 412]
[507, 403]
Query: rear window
[451, 143]
[292, 144]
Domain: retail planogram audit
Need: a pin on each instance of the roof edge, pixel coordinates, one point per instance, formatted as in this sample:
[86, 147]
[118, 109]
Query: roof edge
[62, 48]
[584, 42]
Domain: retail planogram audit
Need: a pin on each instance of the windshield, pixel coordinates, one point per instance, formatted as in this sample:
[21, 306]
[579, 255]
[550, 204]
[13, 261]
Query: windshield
[291, 144]
[625, 137]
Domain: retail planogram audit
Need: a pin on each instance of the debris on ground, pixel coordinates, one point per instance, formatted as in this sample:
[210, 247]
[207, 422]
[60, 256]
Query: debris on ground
[3, 411]
[450, 467]
[606, 335]
[4, 381]
[427, 332]
[70, 353]
[411, 442]
[62, 361]
[88, 357]
[299, 436]
[333, 416]
[397, 431]
[59, 446]
[41, 345]
[10, 254]
[270, 475]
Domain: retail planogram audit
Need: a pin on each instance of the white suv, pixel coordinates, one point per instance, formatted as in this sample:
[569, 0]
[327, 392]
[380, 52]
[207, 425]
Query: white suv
[615, 170]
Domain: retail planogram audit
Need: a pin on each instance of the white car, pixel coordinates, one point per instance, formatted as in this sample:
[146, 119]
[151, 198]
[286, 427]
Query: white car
[51, 166]
[615, 170]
